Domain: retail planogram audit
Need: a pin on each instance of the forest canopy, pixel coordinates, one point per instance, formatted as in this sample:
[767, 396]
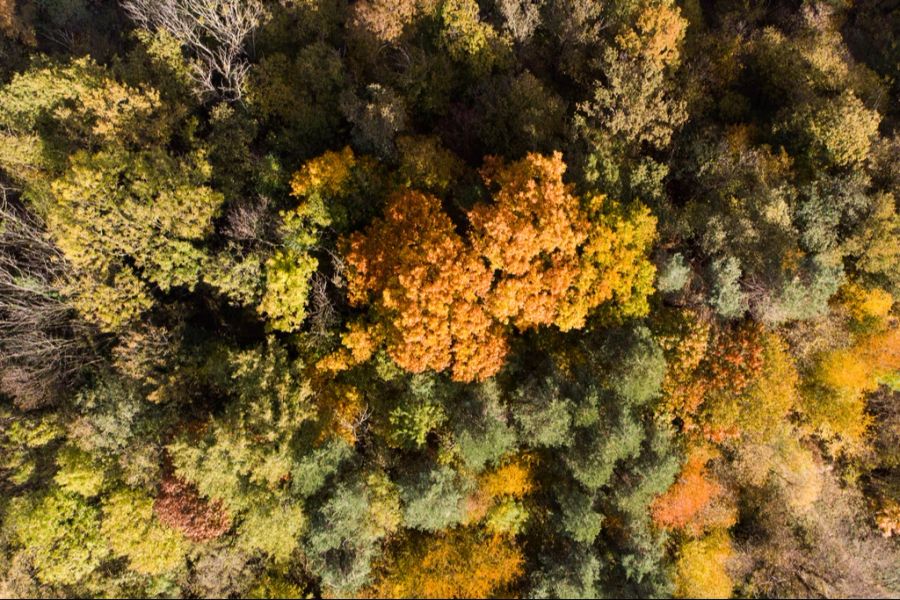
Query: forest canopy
[449, 298]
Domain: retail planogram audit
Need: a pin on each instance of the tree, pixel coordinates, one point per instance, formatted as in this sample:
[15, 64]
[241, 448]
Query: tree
[426, 165]
[433, 498]
[838, 132]
[148, 207]
[521, 17]
[332, 189]
[530, 235]
[288, 274]
[62, 533]
[16, 22]
[113, 417]
[295, 92]
[685, 339]
[346, 531]
[127, 214]
[411, 424]
[385, 21]
[520, 114]
[272, 526]
[49, 112]
[470, 40]
[428, 291]
[498, 500]
[378, 115]
[577, 29]
[216, 31]
[556, 262]
[616, 276]
[868, 307]
[245, 456]
[181, 507]
[482, 429]
[871, 246]
[693, 494]
[757, 408]
[701, 567]
[437, 304]
[42, 339]
[132, 530]
[790, 551]
[636, 105]
[834, 389]
[78, 474]
[223, 570]
[463, 563]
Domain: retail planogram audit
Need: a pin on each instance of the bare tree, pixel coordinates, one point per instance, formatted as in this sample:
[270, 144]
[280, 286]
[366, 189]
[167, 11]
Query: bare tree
[247, 222]
[322, 314]
[44, 345]
[521, 17]
[215, 31]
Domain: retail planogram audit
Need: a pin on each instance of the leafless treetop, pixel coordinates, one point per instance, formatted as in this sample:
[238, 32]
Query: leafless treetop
[215, 31]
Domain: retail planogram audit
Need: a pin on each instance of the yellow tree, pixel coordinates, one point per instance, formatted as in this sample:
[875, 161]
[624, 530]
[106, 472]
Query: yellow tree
[463, 563]
[497, 502]
[684, 337]
[834, 390]
[761, 404]
[614, 270]
[732, 365]
[700, 571]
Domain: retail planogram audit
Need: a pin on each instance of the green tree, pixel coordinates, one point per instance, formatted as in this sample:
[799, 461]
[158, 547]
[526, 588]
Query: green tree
[433, 498]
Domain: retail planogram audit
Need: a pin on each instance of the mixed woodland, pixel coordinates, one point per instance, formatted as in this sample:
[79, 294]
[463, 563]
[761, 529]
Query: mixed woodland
[449, 298]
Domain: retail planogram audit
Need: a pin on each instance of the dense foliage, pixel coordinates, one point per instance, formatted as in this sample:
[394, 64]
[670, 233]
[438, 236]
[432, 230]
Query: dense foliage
[449, 298]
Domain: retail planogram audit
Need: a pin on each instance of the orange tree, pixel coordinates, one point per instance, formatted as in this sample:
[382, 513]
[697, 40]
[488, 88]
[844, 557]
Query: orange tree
[462, 563]
[530, 236]
[426, 288]
[535, 256]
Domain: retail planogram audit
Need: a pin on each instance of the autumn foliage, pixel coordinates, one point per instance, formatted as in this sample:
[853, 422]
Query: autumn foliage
[180, 506]
[529, 236]
[427, 288]
[449, 298]
[701, 569]
[684, 337]
[834, 392]
[386, 19]
[685, 505]
[535, 256]
[463, 563]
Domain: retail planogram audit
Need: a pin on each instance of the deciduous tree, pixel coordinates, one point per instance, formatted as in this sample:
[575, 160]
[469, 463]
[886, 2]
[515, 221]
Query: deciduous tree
[429, 290]
[464, 563]
[215, 31]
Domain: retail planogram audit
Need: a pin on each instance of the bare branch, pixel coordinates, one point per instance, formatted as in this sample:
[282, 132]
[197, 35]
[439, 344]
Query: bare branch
[215, 31]
[43, 343]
